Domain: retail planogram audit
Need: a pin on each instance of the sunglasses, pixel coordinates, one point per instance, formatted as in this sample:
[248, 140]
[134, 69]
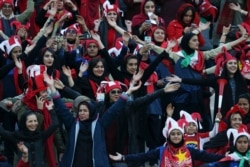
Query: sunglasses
[115, 92]
[72, 31]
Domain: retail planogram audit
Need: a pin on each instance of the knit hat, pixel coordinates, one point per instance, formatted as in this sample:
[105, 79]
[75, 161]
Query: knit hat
[8, 45]
[221, 59]
[235, 109]
[75, 27]
[194, 117]
[77, 101]
[108, 8]
[6, 1]
[207, 10]
[89, 41]
[107, 86]
[34, 70]
[171, 124]
[241, 131]
[19, 25]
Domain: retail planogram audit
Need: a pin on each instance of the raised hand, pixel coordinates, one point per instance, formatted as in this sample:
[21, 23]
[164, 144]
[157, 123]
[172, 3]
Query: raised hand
[19, 65]
[234, 6]
[52, 9]
[66, 71]
[137, 76]
[49, 105]
[125, 37]
[173, 78]
[111, 22]
[59, 84]
[204, 26]
[95, 36]
[83, 67]
[97, 24]
[39, 102]
[169, 110]
[128, 24]
[171, 87]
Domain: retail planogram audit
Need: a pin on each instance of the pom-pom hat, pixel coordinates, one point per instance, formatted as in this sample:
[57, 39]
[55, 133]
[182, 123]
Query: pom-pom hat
[207, 9]
[75, 27]
[19, 25]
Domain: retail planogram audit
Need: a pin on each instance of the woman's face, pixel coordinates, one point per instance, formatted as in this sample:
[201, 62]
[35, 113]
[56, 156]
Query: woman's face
[92, 50]
[132, 66]
[194, 42]
[242, 144]
[98, 70]
[114, 95]
[15, 52]
[149, 7]
[112, 15]
[31, 122]
[175, 136]
[187, 18]
[244, 104]
[22, 33]
[235, 120]
[232, 66]
[48, 59]
[159, 35]
[83, 112]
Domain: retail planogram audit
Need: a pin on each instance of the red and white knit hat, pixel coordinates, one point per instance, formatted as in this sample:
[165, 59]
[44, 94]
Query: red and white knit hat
[75, 27]
[110, 7]
[2, 2]
[7, 45]
[34, 70]
[171, 124]
[241, 131]
[194, 117]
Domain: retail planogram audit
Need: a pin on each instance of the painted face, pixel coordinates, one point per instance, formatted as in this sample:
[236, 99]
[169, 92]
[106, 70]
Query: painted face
[242, 144]
[7, 9]
[159, 35]
[83, 112]
[114, 94]
[194, 42]
[235, 120]
[98, 70]
[92, 50]
[244, 104]
[16, 51]
[191, 128]
[175, 136]
[187, 18]
[48, 59]
[112, 15]
[31, 122]
[149, 7]
[132, 65]
[231, 66]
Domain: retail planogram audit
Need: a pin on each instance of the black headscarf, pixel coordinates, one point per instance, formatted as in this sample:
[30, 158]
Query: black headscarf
[185, 43]
[24, 134]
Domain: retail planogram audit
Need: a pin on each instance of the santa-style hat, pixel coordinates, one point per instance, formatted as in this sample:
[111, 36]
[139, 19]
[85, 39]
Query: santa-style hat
[171, 124]
[110, 7]
[34, 70]
[11, 43]
[75, 27]
[221, 59]
[235, 109]
[19, 25]
[241, 131]
[207, 10]
[194, 117]
[107, 86]
[2, 2]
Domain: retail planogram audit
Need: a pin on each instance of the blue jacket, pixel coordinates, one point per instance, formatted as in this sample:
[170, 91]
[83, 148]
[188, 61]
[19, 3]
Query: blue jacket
[100, 156]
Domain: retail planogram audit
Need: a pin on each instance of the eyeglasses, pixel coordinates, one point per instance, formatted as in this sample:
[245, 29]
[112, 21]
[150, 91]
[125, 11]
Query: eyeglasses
[115, 92]
[72, 31]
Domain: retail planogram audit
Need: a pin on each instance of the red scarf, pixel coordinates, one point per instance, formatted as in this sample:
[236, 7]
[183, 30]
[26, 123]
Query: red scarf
[226, 17]
[30, 101]
[176, 157]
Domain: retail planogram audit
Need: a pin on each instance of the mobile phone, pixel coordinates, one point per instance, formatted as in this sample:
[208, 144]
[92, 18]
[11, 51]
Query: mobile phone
[148, 21]
[147, 39]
